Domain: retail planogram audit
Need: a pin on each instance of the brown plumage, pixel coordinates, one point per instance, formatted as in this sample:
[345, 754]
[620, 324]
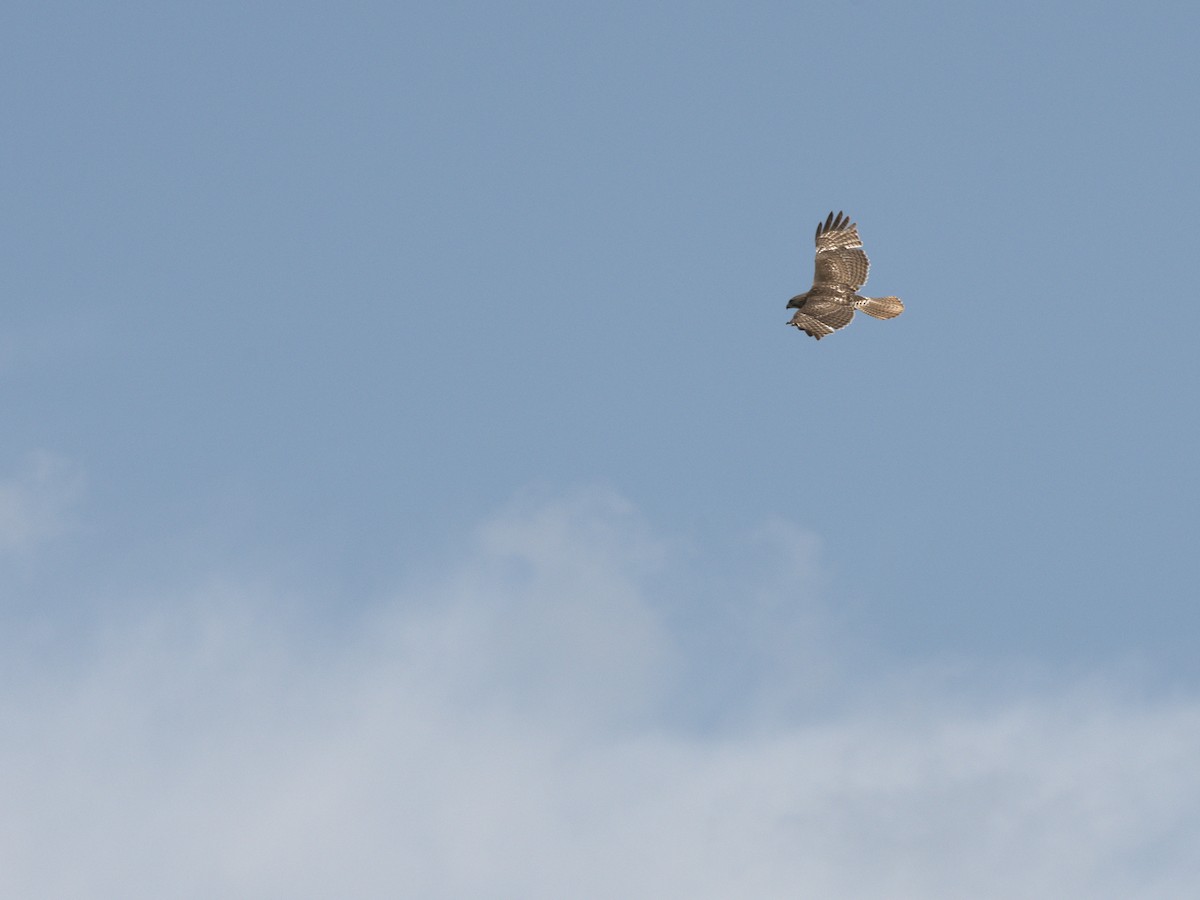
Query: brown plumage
[842, 268]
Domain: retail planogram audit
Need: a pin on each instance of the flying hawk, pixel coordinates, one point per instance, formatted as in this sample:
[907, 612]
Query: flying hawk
[841, 270]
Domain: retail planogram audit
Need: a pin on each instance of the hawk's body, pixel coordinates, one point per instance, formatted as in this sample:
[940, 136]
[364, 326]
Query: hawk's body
[841, 270]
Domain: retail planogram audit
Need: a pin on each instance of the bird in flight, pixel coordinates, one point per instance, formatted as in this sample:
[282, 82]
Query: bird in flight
[841, 270]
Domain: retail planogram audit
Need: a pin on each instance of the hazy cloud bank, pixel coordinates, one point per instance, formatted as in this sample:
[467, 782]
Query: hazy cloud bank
[526, 724]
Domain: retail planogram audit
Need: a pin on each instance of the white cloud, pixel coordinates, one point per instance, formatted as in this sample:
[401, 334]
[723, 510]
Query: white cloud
[509, 730]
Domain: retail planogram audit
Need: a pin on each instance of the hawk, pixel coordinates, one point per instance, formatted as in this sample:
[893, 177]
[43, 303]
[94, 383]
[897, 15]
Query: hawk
[841, 270]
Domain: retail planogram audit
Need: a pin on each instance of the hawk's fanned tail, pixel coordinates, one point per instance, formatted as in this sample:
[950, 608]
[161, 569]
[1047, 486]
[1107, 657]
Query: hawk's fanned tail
[879, 307]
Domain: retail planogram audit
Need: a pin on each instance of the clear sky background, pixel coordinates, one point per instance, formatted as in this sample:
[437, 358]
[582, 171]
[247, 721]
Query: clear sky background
[409, 485]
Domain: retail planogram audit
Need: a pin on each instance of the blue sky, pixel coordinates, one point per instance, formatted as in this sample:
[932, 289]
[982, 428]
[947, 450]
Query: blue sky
[336, 334]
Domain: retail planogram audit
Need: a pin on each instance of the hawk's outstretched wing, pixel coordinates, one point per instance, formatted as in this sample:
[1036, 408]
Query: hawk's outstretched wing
[841, 264]
[821, 317]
